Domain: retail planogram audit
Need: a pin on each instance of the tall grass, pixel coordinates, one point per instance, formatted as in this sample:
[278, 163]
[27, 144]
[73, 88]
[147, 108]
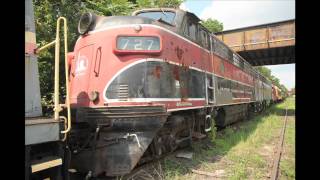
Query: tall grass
[239, 148]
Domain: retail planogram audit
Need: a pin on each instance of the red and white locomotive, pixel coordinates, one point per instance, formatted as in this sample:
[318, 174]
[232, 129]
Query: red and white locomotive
[141, 85]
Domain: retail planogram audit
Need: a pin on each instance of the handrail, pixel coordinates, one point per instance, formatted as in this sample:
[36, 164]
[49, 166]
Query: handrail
[66, 72]
[57, 105]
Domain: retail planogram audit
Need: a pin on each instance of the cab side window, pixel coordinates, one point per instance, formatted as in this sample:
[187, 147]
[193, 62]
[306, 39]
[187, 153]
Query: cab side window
[191, 30]
[221, 50]
[204, 38]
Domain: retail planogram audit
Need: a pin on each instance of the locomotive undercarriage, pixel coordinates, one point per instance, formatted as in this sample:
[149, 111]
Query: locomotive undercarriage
[227, 115]
[113, 146]
[177, 133]
[117, 143]
[110, 141]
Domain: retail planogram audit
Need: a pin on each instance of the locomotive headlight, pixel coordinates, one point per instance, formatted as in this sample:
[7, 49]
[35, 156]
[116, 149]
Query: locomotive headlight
[86, 23]
[136, 44]
[137, 28]
[93, 96]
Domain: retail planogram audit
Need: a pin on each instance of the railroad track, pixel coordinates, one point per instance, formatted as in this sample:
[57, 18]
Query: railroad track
[276, 162]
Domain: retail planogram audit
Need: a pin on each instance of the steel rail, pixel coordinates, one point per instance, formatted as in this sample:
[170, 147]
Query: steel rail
[276, 162]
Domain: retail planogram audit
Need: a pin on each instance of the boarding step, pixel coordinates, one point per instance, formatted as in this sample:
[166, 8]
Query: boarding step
[45, 163]
[41, 130]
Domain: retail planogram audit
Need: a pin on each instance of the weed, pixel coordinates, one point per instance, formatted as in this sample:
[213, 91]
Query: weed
[240, 150]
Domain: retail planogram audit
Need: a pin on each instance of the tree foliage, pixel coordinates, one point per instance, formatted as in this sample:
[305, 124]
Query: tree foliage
[213, 25]
[46, 13]
[266, 72]
[109, 7]
[159, 3]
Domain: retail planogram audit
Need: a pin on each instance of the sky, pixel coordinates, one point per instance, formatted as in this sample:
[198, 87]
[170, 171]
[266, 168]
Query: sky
[242, 13]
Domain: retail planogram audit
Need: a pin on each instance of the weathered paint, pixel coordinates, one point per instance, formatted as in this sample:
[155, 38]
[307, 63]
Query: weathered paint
[41, 130]
[199, 58]
[279, 34]
[177, 78]
[32, 84]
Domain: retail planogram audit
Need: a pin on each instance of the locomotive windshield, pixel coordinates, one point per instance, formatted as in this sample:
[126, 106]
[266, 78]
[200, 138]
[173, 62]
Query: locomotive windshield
[166, 16]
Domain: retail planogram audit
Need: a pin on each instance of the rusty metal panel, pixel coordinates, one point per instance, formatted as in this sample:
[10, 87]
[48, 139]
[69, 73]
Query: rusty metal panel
[29, 16]
[260, 37]
[41, 130]
[233, 40]
[32, 87]
[282, 35]
[222, 50]
[219, 37]
[256, 39]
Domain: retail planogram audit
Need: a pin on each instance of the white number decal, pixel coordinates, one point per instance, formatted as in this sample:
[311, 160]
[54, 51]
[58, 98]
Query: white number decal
[139, 45]
[126, 44]
[151, 43]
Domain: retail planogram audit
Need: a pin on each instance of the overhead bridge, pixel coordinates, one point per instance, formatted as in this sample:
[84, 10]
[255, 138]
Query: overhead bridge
[266, 44]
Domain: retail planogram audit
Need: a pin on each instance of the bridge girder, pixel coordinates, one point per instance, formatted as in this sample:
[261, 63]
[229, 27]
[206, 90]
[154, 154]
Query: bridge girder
[267, 44]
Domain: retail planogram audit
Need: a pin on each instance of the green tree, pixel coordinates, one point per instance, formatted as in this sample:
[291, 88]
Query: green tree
[284, 90]
[159, 3]
[168, 3]
[213, 25]
[275, 80]
[145, 4]
[110, 7]
[46, 13]
[266, 72]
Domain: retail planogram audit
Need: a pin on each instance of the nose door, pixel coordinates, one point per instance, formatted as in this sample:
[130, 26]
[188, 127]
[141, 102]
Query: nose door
[80, 76]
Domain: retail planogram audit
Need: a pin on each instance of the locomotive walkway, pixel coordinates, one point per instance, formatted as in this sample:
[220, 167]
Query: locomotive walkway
[266, 44]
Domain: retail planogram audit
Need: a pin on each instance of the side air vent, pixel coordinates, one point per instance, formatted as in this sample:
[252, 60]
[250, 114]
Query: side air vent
[104, 114]
[123, 92]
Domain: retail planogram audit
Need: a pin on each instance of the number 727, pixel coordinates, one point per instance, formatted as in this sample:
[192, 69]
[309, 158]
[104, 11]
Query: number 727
[138, 45]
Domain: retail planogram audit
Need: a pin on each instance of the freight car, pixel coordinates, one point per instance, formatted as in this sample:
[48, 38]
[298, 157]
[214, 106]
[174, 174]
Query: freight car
[276, 94]
[142, 85]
